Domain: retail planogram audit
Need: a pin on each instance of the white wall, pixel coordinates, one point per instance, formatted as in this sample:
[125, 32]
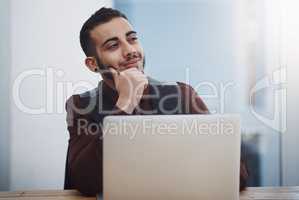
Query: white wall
[44, 34]
[272, 37]
[290, 57]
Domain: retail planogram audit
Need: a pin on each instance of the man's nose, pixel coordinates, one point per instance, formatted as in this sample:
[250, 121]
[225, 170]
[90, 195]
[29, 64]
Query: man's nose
[128, 51]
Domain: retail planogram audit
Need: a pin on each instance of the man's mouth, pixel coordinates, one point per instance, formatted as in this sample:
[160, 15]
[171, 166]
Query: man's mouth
[131, 63]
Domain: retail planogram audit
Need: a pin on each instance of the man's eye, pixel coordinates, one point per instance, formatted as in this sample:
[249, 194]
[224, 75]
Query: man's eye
[133, 38]
[113, 46]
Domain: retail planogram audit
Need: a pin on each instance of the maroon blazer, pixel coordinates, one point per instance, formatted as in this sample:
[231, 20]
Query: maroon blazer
[85, 113]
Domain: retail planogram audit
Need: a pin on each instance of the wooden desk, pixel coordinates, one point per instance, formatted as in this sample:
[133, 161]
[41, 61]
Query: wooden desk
[262, 193]
[273, 193]
[44, 195]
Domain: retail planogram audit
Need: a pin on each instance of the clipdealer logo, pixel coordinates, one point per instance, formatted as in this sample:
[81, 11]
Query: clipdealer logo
[278, 85]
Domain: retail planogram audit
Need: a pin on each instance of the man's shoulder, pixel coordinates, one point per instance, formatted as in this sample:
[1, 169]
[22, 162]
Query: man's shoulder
[186, 87]
[174, 86]
[182, 85]
[82, 100]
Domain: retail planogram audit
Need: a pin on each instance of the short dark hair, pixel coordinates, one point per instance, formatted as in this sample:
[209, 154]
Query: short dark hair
[101, 16]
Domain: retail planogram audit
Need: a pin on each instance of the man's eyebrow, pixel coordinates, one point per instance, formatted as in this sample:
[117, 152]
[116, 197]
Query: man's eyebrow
[130, 32]
[110, 39]
[115, 38]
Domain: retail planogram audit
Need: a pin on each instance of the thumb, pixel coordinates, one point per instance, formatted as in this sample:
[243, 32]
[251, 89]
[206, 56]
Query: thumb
[115, 74]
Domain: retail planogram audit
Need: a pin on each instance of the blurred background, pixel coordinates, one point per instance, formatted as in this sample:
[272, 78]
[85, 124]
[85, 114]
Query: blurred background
[241, 56]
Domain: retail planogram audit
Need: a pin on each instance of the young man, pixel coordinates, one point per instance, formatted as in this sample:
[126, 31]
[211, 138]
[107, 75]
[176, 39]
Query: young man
[113, 50]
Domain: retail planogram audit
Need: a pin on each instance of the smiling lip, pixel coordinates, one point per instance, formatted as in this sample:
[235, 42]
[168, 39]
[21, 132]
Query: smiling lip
[131, 62]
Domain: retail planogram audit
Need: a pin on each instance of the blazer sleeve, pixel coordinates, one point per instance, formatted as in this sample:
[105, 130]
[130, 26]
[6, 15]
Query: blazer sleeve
[195, 105]
[84, 160]
[192, 103]
[84, 154]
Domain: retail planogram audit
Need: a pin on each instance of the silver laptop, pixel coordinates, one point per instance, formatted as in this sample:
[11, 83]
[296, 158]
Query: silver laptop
[171, 157]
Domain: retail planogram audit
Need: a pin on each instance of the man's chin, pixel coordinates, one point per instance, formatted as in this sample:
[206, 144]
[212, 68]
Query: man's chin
[138, 67]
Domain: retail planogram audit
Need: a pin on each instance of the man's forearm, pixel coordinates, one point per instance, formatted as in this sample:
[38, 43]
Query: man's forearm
[86, 164]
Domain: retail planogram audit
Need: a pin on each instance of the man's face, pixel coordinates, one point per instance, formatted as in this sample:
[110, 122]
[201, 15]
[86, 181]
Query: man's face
[117, 45]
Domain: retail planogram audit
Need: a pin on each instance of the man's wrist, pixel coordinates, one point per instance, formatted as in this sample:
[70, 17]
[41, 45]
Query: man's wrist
[125, 105]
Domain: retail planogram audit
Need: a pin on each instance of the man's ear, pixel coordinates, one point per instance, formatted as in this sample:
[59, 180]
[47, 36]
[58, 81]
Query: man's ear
[91, 64]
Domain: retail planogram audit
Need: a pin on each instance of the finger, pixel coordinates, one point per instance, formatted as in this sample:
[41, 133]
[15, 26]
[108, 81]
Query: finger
[121, 68]
[131, 71]
[138, 75]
